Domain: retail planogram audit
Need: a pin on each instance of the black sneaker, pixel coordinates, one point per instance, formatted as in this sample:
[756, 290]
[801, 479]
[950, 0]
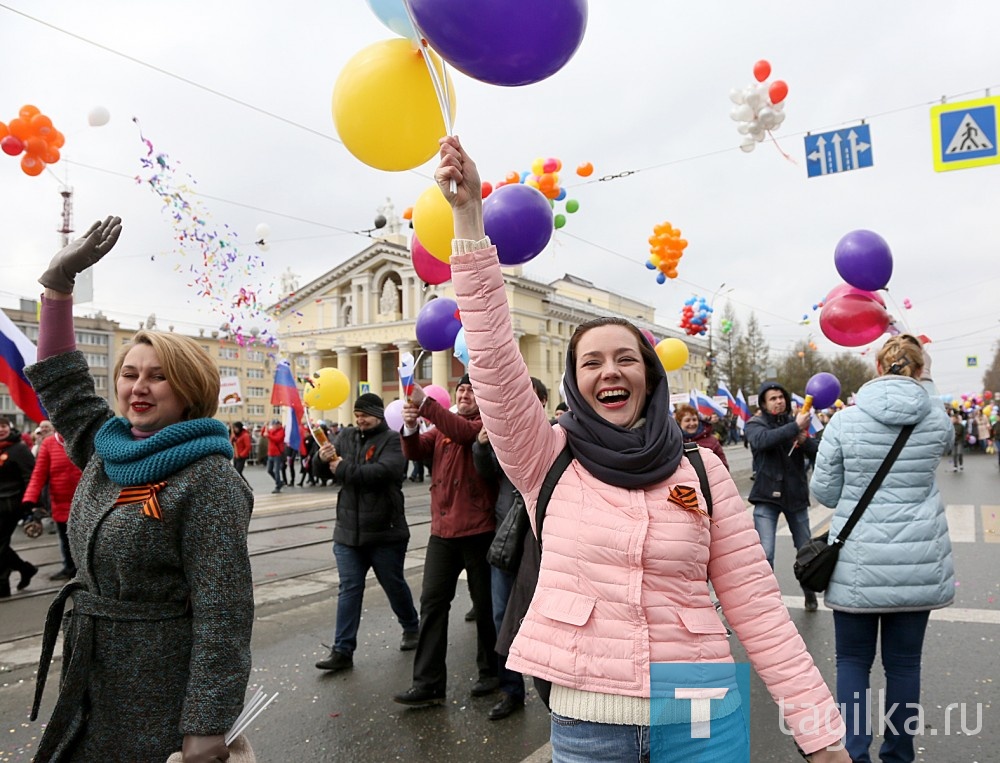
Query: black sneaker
[415, 697]
[336, 661]
[409, 642]
[470, 616]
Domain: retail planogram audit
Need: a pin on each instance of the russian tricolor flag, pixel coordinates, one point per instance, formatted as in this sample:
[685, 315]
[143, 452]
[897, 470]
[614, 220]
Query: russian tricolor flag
[706, 406]
[16, 352]
[742, 409]
[730, 400]
[286, 393]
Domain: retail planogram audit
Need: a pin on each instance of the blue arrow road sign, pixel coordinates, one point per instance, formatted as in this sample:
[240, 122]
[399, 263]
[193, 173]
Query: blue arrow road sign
[839, 151]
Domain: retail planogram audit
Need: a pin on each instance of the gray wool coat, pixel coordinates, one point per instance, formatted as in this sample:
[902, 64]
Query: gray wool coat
[157, 645]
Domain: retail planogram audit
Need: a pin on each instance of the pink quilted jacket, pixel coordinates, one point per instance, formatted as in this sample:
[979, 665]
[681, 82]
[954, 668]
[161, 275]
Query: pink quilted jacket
[623, 574]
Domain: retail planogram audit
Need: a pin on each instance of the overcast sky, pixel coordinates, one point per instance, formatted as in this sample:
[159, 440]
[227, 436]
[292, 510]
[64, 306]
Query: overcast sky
[647, 92]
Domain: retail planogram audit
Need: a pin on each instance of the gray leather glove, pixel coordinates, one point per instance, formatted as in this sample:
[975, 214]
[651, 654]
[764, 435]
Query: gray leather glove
[80, 254]
[204, 749]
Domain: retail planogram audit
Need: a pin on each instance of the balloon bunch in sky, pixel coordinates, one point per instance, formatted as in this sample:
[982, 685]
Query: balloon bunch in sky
[695, 316]
[31, 133]
[666, 247]
[853, 313]
[544, 176]
[224, 277]
[394, 99]
[759, 107]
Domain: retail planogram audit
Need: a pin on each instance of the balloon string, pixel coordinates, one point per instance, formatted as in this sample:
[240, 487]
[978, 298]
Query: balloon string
[780, 149]
[897, 311]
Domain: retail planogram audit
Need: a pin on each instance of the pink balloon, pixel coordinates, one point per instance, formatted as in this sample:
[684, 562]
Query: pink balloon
[649, 337]
[429, 268]
[394, 415]
[846, 288]
[439, 393]
[853, 320]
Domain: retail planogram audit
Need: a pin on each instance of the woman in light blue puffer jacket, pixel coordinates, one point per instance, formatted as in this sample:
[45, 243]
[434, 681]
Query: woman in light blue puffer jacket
[896, 565]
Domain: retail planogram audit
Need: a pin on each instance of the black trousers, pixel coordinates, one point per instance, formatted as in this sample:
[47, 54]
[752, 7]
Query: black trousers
[445, 560]
[10, 514]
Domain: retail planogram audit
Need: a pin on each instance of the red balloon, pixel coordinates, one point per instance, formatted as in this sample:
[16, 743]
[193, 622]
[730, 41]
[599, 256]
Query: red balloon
[487, 189]
[777, 91]
[762, 70]
[429, 268]
[11, 145]
[853, 320]
[846, 288]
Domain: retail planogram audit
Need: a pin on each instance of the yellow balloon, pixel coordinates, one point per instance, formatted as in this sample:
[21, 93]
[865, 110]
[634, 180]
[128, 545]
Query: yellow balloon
[385, 109]
[433, 223]
[329, 389]
[673, 353]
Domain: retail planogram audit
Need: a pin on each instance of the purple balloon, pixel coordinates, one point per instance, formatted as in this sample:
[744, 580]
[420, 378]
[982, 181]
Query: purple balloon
[824, 388]
[518, 219]
[438, 324]
[503, 42]
[863, 260]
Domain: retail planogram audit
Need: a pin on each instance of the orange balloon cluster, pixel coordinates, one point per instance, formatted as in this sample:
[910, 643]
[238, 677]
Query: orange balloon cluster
[32, 134]
[666, 247]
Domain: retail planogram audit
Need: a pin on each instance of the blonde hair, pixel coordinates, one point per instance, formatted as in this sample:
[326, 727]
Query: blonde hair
[191, 372]
[901, 356]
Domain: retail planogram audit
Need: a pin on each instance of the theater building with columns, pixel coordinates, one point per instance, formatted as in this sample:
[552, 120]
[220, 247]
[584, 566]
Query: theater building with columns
[360, 317]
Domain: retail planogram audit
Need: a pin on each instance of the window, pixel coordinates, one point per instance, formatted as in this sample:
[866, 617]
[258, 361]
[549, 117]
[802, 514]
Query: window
[228, 371]
[257, 392]
[255, 373]
[100, 382]
[90, 337]
[255, 410]
[31, 332]
[255, 355]
[95, 360]
[229, 353]
[6, 404]
[302, 362]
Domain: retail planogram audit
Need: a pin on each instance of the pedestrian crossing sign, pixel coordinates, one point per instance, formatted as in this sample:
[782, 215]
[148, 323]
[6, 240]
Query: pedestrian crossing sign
[964, 134]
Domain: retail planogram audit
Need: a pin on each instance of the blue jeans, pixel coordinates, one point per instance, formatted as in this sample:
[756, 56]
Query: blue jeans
[902, 644]
[576, 741]
[274, 465]
[511, 682]
[765, 522]
[353, 564]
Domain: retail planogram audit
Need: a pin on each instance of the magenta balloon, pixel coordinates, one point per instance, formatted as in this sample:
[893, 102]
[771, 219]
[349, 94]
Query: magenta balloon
[503, 42]
[649, 336]
[853, 320]
[394, 415]
[438, 324]
[430, 269]
[824, 388]
[846, 288]
[439, 393]
[863, 260]
[518, 219]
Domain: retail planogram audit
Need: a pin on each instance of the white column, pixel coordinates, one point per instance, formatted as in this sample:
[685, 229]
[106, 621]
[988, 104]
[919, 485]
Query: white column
[344, 364]
[374, 367]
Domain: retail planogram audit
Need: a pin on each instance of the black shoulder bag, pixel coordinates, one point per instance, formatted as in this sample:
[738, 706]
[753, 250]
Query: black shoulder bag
[814, 562]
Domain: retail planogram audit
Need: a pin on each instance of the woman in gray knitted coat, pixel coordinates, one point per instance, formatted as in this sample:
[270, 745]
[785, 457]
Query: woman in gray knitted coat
[156, 652]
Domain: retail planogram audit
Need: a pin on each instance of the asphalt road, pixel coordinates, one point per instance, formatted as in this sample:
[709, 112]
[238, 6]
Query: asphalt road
[350, 716]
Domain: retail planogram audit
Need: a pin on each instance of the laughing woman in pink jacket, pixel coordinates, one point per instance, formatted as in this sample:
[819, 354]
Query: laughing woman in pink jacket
[628, 550]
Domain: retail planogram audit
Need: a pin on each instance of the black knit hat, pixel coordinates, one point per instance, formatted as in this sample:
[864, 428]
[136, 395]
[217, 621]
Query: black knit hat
[370, 404]
[463, 380]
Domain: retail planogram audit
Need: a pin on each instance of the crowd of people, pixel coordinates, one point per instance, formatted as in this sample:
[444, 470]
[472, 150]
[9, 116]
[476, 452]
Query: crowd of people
[171, 570]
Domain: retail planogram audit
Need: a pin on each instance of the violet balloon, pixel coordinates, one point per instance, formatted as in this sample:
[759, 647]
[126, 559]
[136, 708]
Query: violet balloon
[438, 324]
[853, 320]
[824, 388]
[518, 220]
[429, 268]
[503, 42]
[863, 260]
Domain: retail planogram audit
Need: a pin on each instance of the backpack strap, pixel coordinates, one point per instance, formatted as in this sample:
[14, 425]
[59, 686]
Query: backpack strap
[551, 478]
[691, 451]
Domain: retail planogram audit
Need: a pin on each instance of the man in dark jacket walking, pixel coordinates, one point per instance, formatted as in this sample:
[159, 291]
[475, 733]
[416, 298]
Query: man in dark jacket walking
[371, 530]
[16, 463]
[780, 444]
[462, 526]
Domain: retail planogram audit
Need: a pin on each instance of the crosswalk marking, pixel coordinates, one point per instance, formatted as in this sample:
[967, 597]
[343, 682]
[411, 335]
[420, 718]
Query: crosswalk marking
[961, 522]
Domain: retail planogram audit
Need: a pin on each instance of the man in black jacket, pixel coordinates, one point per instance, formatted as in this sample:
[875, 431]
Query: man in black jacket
[780, 444]
[16, 463]
[371, 530]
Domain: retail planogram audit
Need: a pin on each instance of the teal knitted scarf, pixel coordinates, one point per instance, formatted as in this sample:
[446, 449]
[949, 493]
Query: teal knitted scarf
[130, 462]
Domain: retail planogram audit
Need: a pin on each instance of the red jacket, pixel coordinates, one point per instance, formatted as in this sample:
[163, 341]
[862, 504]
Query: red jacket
[53, 468]
[705, 439]
[461, 500]
[241, 444]
[275, 441]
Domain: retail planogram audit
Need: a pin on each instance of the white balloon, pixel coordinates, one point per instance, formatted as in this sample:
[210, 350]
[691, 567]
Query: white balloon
[766, 117]
[263, 246]
[745, 112]
[735, 95]
[753, 101]
[743, 128]
[98, 116]
[262, 231]
[747, 145]
[779, 117]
